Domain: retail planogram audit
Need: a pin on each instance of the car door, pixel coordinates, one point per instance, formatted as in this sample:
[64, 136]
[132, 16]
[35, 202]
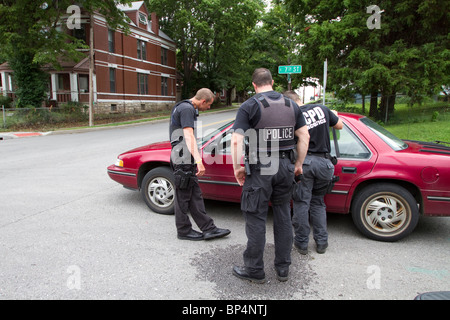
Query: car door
[356, 159]
[218, 182]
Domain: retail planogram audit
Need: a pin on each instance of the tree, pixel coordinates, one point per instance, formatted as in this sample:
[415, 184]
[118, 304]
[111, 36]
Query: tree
[210, 37]
[224, 56]
[405, 50]
[276, 42]
[31, 37]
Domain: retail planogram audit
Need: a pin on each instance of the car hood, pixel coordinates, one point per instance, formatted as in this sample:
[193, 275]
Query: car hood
[154, 146]
[427, 147]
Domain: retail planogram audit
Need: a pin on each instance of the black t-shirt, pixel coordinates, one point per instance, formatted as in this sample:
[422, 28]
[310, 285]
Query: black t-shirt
[318, 119]
[184, 115]
[249, 113]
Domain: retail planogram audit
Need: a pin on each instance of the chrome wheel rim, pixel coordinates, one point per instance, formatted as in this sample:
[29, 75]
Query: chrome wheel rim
[161, 192]
[386, 213]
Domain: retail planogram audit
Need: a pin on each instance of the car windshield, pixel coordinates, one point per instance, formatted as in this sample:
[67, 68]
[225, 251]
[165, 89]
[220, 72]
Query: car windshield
[210, 133]
[394, 142]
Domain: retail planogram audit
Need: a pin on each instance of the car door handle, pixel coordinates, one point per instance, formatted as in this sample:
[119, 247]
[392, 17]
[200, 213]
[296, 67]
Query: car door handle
[348, 170]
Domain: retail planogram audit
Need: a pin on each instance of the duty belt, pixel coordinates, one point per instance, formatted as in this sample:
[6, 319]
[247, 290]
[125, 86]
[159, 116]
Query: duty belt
[285, 154]
[319, 154]
[325, 155]
[279, 154]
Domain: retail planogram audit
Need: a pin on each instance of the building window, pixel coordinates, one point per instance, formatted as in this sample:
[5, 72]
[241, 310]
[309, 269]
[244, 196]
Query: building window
[141, 50]
[63, 82]
[142, 18]
[111, 41]
[142, 83]
[112, 80]
[164, 56]
[83, 83]
[80, 33]
[60, 83]
[164, 86]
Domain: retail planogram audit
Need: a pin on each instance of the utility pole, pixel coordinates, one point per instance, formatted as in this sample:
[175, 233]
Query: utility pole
[91, 71]
[289, 76]
[325, 72]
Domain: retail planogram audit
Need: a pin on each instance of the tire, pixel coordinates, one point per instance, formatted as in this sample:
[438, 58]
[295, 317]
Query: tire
[158, 190]
[385, 212]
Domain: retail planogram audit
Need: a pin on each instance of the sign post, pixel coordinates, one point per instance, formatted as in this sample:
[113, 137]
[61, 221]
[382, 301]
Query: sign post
[325, 72]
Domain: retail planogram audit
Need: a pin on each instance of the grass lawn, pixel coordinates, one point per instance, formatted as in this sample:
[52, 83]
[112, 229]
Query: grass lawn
[425, 131]
[427, 122]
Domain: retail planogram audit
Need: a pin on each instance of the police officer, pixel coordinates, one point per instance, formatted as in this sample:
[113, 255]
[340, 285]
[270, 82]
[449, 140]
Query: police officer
[271, 123]
[318, 169]
[187, 164]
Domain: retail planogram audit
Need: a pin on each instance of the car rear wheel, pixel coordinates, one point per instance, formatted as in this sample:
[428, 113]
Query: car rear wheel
[385, 212]
[158, 190]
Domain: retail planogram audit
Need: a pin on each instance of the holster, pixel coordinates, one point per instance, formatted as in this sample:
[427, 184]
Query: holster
[182, 178]
[334, 179]
[326, 188]
[333, 159]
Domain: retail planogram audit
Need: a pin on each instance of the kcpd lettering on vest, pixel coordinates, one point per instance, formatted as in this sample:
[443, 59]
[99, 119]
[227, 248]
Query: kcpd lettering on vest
[314, 117]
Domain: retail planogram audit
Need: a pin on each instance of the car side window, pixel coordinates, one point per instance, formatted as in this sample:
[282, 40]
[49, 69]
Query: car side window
[224, 144]
[220, 145]
[345, 144]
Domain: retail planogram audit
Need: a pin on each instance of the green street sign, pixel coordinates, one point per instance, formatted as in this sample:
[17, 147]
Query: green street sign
[289, 69]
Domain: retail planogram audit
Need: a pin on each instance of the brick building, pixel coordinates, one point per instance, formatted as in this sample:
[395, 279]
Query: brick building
[133, 72]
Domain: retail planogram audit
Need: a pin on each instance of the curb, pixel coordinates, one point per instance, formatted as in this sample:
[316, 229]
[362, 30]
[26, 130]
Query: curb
[14, 135]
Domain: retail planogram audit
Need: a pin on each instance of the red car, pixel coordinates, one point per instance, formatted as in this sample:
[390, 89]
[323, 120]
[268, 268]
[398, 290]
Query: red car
[384, 182]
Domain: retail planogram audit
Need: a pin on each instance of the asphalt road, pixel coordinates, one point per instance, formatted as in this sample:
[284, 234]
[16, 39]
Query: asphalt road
[69, 232]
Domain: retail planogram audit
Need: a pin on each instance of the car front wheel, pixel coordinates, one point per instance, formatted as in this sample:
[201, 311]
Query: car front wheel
[158, 190]
[385, 212]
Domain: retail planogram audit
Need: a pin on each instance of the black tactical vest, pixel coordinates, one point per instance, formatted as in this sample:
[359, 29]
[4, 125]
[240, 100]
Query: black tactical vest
[275, 129]
[175, 129]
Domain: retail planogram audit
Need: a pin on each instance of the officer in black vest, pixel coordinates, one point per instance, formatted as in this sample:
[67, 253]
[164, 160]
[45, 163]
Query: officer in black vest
[187, 164]
[318, 169]
[271, 123]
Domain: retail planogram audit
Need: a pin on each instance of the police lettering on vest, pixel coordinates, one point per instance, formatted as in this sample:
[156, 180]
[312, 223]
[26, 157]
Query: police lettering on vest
[279, 134]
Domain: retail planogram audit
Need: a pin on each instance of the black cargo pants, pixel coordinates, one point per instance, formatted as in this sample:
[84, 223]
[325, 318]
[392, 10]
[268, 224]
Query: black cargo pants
[259, 188]
[309, 203]
[189, 199]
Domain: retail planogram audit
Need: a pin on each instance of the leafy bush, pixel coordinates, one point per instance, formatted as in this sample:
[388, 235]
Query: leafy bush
[45, 118]
[5, 101]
